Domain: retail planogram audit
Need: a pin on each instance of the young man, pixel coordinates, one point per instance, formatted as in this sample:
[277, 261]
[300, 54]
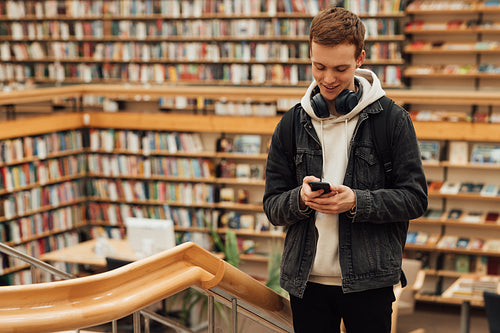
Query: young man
[343, 249]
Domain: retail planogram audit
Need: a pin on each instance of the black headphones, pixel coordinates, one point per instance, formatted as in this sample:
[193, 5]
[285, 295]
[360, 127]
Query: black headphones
[344, 103]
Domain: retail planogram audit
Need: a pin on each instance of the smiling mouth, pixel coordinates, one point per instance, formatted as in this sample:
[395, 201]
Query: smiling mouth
[330, 89]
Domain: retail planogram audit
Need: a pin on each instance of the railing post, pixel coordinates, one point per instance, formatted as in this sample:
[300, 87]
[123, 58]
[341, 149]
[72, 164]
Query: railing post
[211, 314]
[34, 278]
[234, 315]
[465, 317]
[147, 321]
[137, 322]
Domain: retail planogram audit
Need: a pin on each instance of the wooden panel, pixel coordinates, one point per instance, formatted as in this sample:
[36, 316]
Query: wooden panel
[39, 94]
[445, 97]
[40, 125]
[178, 122]
[457, 131]
[130, 91]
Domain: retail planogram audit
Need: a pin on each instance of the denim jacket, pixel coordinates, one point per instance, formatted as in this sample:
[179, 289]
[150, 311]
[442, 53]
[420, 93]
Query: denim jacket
[371, 242]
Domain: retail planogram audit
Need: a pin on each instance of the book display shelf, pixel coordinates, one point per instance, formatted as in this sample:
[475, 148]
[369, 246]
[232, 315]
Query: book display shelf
[195, 42]
[459, 234]
[452, 47]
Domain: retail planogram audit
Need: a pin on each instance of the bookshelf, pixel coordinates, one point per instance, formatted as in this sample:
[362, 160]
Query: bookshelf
[453, 44]
[42, 202]
[198, 42]
[458, 234]
[384, 38]
[452, 47]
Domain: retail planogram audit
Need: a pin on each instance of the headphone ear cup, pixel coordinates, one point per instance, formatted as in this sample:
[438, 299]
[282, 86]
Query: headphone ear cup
[319, 106]
[346, 101]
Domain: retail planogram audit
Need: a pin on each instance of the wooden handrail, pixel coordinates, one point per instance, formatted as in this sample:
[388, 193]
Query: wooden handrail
[100, 298]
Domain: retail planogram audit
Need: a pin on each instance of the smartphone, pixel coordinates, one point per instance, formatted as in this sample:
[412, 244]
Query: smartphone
[320, 186]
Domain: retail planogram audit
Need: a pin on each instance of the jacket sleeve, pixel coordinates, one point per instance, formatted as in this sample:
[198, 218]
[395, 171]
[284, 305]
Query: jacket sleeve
[406, 199]
[282, 190]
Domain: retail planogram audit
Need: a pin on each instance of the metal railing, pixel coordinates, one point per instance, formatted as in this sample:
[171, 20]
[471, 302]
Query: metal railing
[237, 306]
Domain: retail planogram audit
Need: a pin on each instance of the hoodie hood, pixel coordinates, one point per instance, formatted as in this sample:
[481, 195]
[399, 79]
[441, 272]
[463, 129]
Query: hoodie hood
[372, 91]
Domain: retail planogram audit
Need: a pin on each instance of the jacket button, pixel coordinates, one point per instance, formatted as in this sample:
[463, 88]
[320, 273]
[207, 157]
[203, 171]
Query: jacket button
[309, 253]
[317, 146]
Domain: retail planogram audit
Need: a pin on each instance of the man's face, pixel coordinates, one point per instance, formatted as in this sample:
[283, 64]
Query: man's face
[333, 68]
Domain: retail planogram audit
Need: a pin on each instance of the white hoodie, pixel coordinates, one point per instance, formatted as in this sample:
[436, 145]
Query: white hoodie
[335, 134]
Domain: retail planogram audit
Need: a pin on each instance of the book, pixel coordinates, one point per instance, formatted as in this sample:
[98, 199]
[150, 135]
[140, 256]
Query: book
[450, 187]
[429, 150]
[411, 236]
[454, 214]
[492, 245]
[247, 221]
[462, 243]
[485, 153]
[224, 144]
[491, 217]
[468, 187]
[473, 217]
[489, 190]
[435, 185]
[247, 144]
[243, 196]
[475, 244]
[458, 152]
[261, 222]
[227, 194]
[462, 263]
[421, 238]
[447, 242]
[243, 170]
[256, 171]
[449, 262]
[481, 265]
[434, 214]
[493, 266]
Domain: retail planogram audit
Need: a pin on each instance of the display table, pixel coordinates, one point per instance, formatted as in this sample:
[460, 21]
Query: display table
[85, 253]
[468, 291]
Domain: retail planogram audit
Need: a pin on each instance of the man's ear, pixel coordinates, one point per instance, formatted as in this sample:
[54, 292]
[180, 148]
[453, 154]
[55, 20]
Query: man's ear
[361, 59]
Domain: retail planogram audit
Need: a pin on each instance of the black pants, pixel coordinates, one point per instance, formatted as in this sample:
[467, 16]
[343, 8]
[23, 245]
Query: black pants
[322, 307]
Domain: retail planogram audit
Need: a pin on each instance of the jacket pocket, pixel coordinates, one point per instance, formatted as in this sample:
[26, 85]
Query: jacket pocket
[374, 247]
[300, 167]
[292, 252]
[367, 169]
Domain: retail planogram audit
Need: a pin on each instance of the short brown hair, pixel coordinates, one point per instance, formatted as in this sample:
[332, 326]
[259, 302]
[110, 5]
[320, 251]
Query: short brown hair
[335, 26]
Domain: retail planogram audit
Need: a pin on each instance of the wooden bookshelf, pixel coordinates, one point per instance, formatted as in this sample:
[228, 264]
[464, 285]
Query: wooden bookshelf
[72, 49]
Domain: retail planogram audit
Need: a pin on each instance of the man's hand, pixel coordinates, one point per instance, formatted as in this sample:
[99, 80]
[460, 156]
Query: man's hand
[339, 200]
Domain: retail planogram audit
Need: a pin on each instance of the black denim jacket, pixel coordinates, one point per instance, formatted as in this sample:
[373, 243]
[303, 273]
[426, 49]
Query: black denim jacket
[371, 242]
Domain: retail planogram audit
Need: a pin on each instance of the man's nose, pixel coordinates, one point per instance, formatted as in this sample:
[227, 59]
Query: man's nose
[330, 77]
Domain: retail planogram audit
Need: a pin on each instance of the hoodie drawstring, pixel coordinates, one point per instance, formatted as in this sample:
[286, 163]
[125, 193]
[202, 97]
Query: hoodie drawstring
[346, 141]
[322, 146]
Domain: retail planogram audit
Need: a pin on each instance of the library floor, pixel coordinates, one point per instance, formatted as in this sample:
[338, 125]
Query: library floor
[433, 318]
